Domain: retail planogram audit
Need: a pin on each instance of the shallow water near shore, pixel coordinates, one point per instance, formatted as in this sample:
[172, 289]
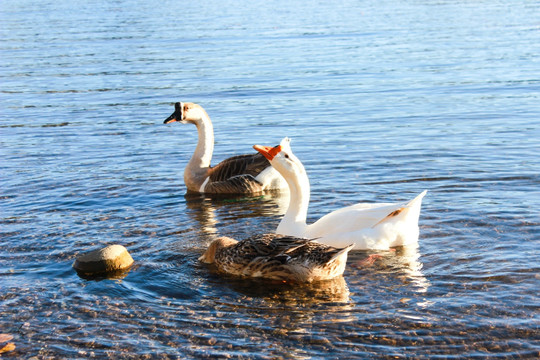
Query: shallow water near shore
[381, 100]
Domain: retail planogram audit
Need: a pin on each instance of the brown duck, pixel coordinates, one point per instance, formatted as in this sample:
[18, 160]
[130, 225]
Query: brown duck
[277, 257]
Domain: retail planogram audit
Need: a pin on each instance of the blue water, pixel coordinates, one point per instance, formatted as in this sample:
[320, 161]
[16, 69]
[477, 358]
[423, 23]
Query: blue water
[382, 99]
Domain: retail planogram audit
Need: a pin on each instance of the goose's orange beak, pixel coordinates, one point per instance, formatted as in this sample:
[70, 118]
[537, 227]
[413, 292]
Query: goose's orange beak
[267, 151]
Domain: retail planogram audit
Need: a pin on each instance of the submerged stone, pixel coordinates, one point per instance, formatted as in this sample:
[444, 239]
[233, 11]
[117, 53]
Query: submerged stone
[111, 259]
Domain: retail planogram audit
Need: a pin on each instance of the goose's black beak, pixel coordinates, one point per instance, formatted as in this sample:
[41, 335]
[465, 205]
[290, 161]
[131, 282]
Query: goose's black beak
[176, 115]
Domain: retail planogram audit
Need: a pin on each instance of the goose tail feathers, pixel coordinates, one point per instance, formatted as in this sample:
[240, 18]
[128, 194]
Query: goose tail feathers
[417, 199]
[414, 203]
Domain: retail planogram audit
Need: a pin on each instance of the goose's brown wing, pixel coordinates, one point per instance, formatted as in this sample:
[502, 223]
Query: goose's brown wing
[241, 184]
[236, 175]
[252, 164]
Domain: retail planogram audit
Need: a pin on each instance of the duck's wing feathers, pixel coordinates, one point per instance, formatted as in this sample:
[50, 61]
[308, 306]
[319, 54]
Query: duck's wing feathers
[316, 253]
[237, 175]
[287, 249]
[281, 257]
[270, 255]
[297, 259]
[271, 245]
[258, 249]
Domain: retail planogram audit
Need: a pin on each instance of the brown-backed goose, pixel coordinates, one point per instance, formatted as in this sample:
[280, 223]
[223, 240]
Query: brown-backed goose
[242, 174]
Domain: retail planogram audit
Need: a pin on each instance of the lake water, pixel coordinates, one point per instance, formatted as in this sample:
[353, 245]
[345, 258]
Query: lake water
[382, 99]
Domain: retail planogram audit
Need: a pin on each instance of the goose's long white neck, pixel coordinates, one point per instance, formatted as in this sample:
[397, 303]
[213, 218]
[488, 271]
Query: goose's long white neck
[294, 221]
[201, 158]
[205, 145]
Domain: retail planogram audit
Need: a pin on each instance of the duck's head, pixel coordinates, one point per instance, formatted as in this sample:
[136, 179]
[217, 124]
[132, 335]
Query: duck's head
[282, 158]
[186, 113]
[209, 256]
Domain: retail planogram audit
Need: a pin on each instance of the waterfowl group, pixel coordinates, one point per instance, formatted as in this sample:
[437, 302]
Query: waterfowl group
[366, 225]
[277, 257]
[297, 251]
[241, 174]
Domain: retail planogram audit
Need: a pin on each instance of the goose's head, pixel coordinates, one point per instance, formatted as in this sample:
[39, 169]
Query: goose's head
[282, 158]
[186, 113]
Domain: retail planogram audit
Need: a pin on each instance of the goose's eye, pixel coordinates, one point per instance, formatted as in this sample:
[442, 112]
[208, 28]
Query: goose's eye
[286, 156]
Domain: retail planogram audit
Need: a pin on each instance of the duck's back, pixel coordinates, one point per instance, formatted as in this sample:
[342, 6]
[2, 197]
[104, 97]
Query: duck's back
[286, 258]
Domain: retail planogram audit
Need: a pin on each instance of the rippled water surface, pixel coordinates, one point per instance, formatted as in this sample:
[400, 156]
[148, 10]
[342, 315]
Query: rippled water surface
[382, 99]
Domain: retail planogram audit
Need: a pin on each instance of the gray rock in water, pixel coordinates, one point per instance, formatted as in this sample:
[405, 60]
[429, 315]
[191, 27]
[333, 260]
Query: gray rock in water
[110, 259]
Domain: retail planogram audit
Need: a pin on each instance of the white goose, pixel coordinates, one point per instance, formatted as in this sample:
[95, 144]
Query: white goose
[242, 174]
[368, 226]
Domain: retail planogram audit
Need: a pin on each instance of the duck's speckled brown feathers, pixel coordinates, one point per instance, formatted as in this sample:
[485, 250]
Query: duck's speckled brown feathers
[280, 257]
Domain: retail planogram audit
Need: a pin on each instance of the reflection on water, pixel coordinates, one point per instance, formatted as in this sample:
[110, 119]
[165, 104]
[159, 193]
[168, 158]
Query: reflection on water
[408, 261]
[112, 275]
[288, 294]
[203, 213]
[402, 264]
[207, 211]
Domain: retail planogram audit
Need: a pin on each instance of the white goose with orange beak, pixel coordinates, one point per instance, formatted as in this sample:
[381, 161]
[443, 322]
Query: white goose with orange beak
[368, 225]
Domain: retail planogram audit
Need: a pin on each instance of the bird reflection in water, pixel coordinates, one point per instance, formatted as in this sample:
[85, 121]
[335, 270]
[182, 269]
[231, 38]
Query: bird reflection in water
[285, 293]
[209, 210]
[403, 261]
